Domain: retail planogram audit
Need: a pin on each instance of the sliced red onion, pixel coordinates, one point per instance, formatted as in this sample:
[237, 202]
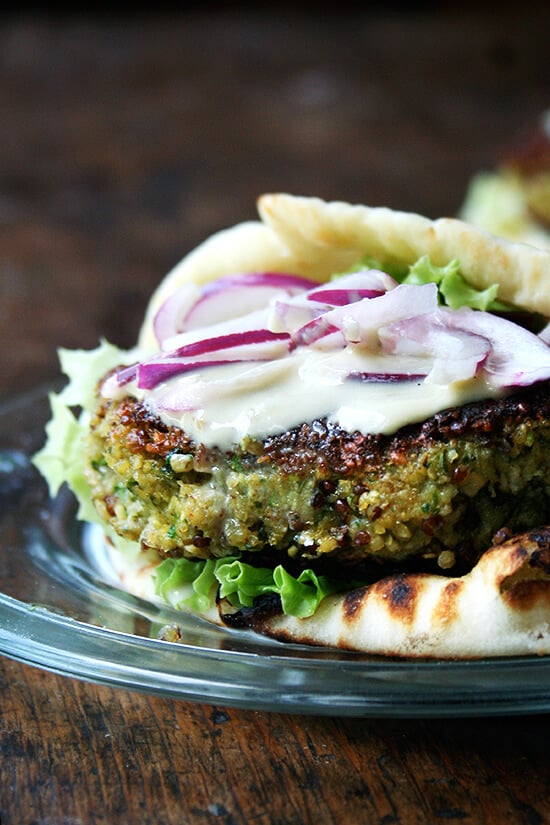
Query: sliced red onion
[291, 314]
[252, 321]
[359, 322]
[320, 333]
[250, 345]
[296, 311]
[430, 335]
[153, 373]
[192, 307]
[276, 280]
[517, 357]
[332, 339]
[280, 341]
[127, 374]
[193, 392]
[342, 297]
[168, 320]
[396, 332]
[348, 289]
[456, 354]
[238, 295]
[386, 377]
[509, 355]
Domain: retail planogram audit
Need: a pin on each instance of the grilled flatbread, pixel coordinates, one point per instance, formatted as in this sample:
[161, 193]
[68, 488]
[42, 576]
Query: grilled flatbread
[500, 608]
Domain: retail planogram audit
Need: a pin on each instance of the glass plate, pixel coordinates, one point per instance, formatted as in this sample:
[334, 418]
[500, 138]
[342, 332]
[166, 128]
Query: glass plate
[59, 612]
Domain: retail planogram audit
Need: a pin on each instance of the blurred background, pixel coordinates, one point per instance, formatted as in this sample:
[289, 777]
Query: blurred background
[129, 138]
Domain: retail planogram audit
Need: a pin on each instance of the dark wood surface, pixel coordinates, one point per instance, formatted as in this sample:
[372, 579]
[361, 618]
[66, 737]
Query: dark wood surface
[125, 141]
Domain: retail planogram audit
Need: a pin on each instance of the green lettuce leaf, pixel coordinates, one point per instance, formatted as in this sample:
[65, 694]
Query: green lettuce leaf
[84, 368]
[454, 291]
[457, 293]
[302, 596]
[182, 582]
[61, 459]
[241, 583]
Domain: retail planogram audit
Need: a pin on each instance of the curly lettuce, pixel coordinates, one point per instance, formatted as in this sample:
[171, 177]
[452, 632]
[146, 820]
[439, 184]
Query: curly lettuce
[241, 584]
[61, 459]
[453, 289]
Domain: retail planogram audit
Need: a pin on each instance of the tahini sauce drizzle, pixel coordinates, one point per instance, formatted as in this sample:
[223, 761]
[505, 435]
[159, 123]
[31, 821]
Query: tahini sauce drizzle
[263, 399]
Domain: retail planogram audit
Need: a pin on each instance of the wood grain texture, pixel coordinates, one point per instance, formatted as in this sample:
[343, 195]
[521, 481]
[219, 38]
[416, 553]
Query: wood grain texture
[78, 753]
[125, 141]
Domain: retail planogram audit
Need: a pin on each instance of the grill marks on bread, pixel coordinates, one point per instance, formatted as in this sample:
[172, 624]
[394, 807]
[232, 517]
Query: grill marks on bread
[500, 607]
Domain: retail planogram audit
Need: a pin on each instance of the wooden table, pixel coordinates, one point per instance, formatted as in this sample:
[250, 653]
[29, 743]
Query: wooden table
[125, 141]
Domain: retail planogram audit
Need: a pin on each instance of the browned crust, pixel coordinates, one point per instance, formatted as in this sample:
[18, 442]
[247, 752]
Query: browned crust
[145, 432]
[327, 446]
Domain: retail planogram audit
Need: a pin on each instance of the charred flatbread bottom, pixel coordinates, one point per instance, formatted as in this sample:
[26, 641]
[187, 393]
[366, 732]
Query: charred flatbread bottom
[499, 608]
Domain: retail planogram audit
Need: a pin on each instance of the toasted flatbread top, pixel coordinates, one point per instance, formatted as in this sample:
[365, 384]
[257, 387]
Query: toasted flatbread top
[315, 238]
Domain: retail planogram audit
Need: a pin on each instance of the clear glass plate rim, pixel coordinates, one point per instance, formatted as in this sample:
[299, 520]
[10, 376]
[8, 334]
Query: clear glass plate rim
[16, 609]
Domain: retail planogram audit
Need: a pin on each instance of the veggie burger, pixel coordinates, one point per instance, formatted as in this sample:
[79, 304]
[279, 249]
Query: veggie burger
[334, 429]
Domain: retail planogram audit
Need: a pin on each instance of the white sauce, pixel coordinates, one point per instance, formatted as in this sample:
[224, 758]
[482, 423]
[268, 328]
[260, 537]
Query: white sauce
[262, 399]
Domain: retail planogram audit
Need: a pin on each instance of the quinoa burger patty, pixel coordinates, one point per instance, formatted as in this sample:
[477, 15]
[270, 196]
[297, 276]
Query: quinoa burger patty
[318, 495]
[333, 430]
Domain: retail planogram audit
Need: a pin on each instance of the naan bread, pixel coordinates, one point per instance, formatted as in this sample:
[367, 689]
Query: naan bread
[314, 238]
[500, 608]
